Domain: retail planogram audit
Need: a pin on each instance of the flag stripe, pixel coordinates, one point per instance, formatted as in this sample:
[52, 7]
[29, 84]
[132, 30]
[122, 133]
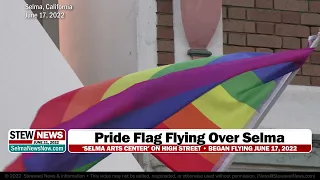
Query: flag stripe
[268, 74]
[173, 161]
[185, 119]
[248, 82]
[60, 104]
[85, 98]
[216, 105]
[238, 56]
[184, 66]
[86, 167]
[130, 80]
[243, 82]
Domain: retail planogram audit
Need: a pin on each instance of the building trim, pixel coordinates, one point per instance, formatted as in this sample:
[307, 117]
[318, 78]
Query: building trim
[146, 34]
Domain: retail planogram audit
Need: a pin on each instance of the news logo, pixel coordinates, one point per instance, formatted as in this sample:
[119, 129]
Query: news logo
[37, 140]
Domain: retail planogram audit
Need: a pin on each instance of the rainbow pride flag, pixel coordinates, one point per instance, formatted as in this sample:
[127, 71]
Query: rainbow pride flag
[209, 93]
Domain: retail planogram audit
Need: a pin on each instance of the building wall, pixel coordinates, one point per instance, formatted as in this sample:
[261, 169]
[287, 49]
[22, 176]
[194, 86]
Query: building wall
[165, 33]
[273, 26]
[107, 39]
[96, 41]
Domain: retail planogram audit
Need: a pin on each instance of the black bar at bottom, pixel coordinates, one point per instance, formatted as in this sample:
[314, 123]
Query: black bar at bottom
[162, 175]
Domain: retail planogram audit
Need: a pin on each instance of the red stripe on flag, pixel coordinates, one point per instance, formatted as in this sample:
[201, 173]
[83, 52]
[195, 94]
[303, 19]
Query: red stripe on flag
[86, 97]
[20, 141]
[51, 113]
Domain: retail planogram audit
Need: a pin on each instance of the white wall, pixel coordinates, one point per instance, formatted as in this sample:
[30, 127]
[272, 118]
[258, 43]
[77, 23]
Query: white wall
[297, 107]
[181, 45]
[32, 71]
[103, 39]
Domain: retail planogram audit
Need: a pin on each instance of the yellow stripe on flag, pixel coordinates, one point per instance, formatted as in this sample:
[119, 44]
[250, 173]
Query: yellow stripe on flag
[223, 110]
[130, 80]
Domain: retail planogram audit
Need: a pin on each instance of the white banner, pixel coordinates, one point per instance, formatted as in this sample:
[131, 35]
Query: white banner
[189, 136]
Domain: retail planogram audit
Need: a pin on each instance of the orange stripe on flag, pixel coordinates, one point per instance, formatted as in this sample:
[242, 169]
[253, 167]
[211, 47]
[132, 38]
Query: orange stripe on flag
[85, 98]
[189, 118]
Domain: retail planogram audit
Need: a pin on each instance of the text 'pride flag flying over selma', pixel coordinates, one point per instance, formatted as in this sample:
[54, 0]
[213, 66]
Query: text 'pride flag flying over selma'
[209, 93]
